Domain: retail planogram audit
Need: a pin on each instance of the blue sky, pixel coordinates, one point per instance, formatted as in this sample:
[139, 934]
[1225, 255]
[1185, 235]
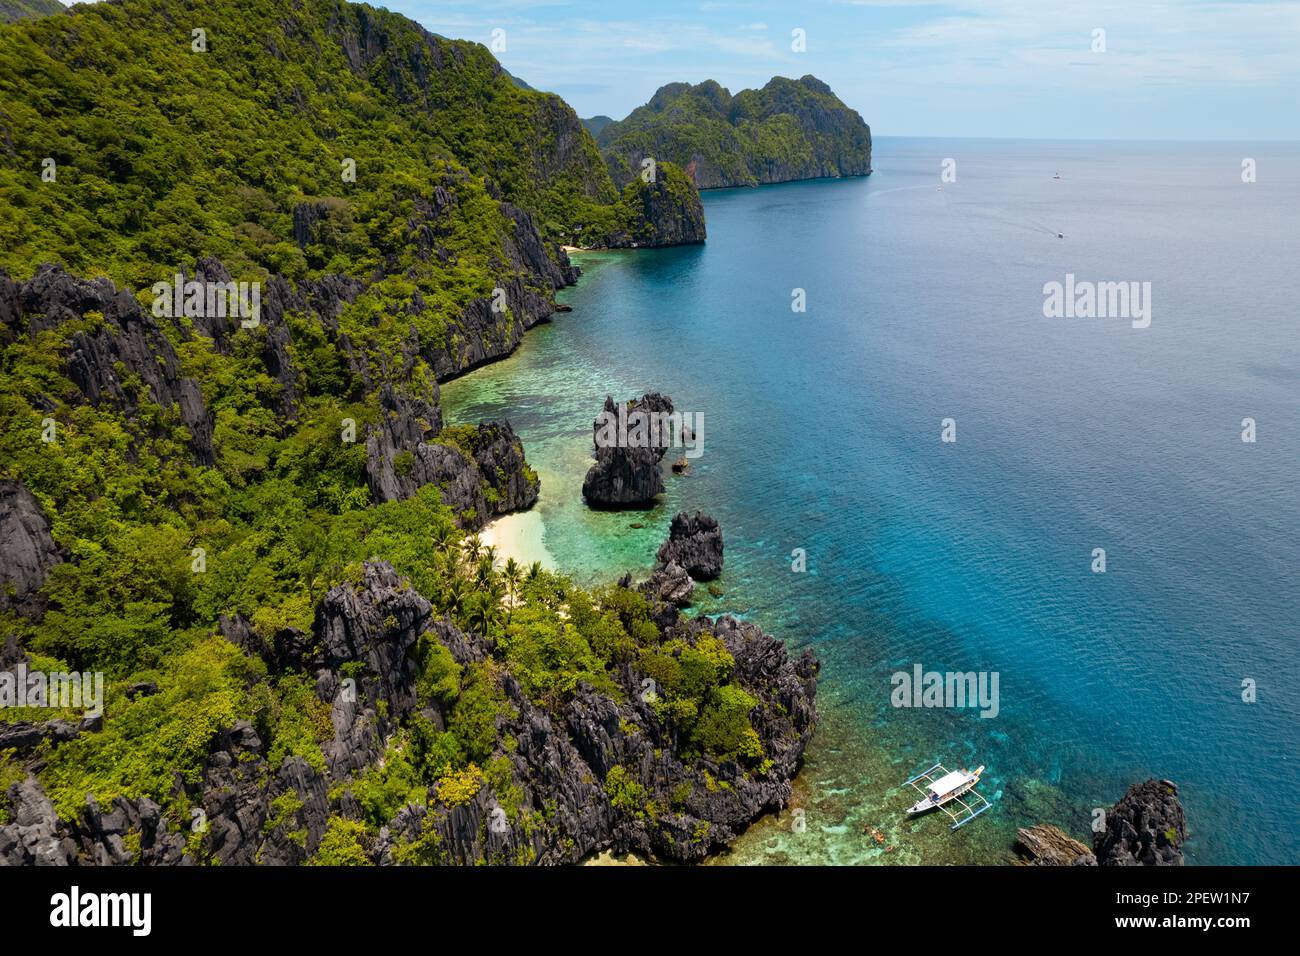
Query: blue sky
[1172, 69]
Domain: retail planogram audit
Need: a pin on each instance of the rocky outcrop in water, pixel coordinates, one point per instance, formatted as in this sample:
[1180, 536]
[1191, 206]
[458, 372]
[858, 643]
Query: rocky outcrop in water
[665, 212]
[695, 543]
[626, 472]
[1145, 828]
[27, 552]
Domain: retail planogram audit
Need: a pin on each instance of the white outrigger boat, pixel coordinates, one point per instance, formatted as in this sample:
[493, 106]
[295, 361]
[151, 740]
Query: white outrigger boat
[940, 787]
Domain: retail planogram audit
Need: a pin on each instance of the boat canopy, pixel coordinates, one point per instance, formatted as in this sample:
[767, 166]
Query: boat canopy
[943, 784]
[949, 782]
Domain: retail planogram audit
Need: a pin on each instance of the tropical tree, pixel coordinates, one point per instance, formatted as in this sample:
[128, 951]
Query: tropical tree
[473, 547]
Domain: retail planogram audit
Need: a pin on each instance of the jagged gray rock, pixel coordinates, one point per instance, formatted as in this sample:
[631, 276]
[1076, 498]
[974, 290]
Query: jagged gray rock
[481, 333]
[377, 624]
[626, 473]
[271, 334]
[561, 766]
[24, 736]
[34, 835]
[481, 472]
[1146, 827]
[695, 543]
[103, 836]
[670, 583]
[557, 762]
[126, 338]
[243, 822]
[27, 551]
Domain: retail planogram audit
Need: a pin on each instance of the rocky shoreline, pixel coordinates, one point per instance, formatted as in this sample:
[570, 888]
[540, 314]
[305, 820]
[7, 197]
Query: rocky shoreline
[1146, 827]
[371, 628]
[664, 805]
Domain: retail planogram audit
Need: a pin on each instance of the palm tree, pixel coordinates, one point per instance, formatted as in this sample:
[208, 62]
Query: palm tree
[453, 595]
[445, 536]
[534, 570]
[485, 572]
[513, 574]
[486, 612]
[446, 565]
[473, 546]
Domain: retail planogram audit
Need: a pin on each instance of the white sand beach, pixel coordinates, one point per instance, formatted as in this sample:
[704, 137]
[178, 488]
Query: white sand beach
[518, 536]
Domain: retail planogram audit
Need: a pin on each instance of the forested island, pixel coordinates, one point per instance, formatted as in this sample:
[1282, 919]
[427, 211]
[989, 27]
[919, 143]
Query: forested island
[247, 511]
[788, 130]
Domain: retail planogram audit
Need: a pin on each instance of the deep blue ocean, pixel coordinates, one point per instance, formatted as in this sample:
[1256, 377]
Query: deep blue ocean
[822, 432]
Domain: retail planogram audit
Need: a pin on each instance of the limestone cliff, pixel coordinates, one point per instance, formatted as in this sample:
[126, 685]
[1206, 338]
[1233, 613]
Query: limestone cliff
[788, 130]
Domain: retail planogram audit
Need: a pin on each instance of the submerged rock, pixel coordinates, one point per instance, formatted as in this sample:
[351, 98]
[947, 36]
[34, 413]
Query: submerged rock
[1046, 845]
[695, 543]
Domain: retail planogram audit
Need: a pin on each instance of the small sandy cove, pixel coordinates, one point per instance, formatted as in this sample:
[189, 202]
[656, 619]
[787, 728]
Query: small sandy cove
[518, 536]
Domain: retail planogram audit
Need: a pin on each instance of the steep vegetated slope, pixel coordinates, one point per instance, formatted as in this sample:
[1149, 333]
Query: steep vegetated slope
[790, 129]
[11, 10]
[253, 524]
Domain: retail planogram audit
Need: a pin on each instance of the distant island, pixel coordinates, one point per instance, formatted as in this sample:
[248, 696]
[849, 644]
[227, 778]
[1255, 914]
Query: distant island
[788, 130]
[14, 10]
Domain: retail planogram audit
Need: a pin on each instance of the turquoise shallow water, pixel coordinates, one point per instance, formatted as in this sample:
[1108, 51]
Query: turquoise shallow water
[822, 432]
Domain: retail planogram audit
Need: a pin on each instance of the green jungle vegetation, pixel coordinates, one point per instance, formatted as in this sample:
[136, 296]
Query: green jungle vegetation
[163, 154]
[789, 129]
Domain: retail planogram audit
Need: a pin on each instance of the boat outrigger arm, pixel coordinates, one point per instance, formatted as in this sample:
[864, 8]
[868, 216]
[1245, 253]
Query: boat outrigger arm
[940, 787]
